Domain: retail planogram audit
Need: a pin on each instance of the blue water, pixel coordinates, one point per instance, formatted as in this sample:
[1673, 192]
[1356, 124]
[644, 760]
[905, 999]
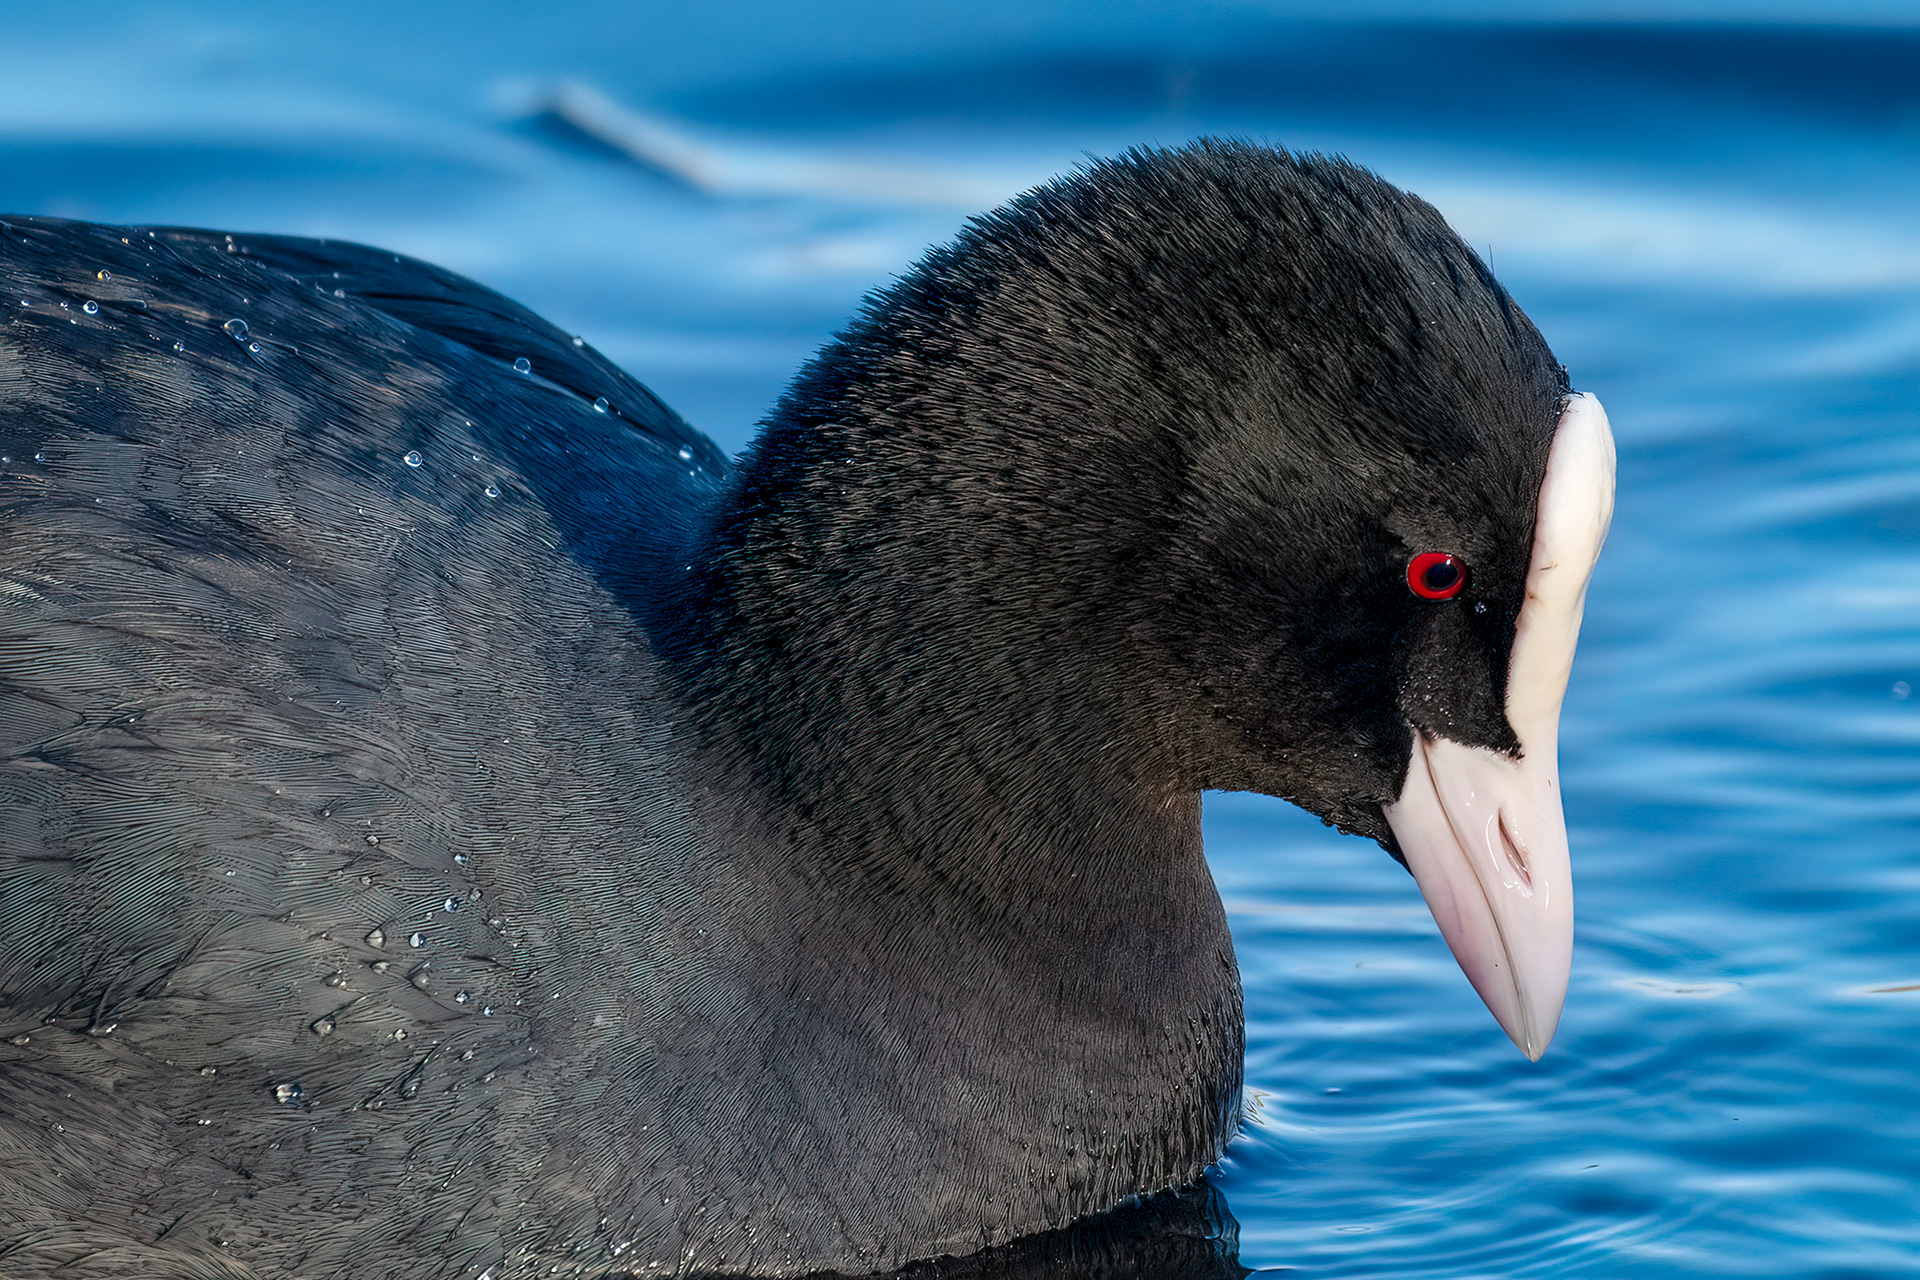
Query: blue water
[1718, 228]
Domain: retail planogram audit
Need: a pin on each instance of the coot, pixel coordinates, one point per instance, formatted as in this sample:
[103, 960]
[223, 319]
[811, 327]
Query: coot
[454, 823]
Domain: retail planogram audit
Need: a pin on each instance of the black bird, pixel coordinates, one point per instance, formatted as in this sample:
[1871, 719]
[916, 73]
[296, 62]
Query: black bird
[453, 823]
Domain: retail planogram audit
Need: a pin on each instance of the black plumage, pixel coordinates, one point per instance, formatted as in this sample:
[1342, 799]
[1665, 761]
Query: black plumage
[451, 826]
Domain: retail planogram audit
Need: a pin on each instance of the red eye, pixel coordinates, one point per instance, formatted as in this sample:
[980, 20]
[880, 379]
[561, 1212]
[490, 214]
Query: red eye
[1435, 575]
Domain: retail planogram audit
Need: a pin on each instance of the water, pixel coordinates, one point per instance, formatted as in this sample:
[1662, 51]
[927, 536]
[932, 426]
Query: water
[1717, 227]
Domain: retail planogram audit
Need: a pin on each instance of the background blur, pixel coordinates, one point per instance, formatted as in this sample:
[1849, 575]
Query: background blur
[1709, 209]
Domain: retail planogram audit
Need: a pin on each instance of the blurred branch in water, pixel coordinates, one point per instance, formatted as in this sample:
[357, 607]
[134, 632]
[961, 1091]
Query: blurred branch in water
[576, 114]
[580, 114]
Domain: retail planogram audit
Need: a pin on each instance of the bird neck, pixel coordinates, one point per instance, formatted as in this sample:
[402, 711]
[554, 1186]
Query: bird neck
[923, 654]
[970, 809]
[966, 749]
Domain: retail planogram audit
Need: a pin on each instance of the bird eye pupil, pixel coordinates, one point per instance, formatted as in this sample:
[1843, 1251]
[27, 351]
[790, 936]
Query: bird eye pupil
[1435, 575]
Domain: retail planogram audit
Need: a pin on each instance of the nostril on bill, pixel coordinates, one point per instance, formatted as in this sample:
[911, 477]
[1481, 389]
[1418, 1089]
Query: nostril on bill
[1515, 852]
